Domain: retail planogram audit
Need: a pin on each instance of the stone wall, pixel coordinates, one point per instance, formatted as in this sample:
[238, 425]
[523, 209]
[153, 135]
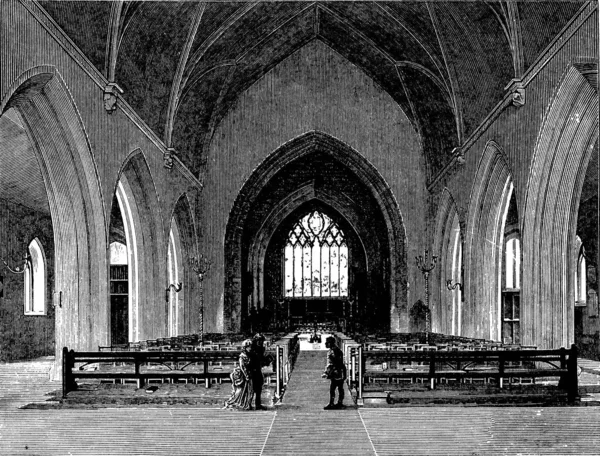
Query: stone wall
[24, 336]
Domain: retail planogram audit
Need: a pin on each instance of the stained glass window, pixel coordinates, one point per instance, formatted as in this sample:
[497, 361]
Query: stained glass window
[316, 258]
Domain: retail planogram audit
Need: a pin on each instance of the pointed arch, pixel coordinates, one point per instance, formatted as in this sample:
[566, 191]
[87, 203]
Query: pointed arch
[563, 150]
[56, 131]
[183, 218]
[366, 172]
[283, 210]
[146, 246]
[448, 240]
[488, 205]
[35, 279]
[175, 297]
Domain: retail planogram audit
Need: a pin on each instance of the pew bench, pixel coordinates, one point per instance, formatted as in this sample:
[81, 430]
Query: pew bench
[143, 367]
[434, 367]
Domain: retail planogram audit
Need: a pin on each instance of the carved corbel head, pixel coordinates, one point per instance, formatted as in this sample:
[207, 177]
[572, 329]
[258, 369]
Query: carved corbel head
[517, 91]
[459, 155]
[111, 94]
[168, 157]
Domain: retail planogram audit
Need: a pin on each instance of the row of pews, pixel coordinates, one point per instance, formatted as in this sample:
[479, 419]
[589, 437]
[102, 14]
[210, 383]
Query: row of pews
[192, 342]
[165, 361]
[447, 360]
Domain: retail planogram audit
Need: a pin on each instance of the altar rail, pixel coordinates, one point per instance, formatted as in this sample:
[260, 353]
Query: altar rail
[145, 366]
[435, 366]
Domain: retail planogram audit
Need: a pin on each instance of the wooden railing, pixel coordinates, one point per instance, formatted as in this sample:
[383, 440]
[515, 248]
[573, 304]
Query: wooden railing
[497, 365]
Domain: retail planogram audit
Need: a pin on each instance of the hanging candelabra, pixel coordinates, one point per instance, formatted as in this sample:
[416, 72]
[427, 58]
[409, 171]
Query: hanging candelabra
[201, 266]
[426, 266]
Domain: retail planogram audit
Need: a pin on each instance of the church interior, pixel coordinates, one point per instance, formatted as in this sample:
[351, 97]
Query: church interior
[185, 168]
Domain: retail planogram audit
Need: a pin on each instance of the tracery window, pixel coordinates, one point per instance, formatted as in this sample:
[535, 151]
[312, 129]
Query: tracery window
[35, 280]
[316, 258]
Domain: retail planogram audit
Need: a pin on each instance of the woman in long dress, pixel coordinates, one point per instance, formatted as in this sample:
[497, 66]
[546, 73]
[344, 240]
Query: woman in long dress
[241, 381]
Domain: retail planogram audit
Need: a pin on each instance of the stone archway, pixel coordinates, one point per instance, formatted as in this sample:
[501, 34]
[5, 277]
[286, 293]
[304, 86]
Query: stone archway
[183, 218]
[446, 316]
[147, 249]
[563, 150]
[483, 244]
[57, 133]
[366, 175]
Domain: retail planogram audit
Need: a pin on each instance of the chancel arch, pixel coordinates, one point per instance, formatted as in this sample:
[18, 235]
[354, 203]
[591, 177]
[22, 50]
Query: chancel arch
[447, 305]
[565, 144]
[59, 140]
[336, 175]
[483, 245]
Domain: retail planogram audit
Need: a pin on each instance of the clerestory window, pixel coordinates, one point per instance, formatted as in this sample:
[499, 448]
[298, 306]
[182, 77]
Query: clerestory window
[316, 259]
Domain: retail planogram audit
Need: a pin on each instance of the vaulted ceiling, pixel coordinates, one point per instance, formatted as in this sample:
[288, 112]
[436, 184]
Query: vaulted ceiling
[183, 65]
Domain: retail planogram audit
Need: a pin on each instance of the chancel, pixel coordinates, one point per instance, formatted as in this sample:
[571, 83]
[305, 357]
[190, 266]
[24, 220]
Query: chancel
[415, 182]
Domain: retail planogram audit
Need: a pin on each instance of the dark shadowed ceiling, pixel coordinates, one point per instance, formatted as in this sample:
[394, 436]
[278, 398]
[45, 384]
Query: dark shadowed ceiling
[183, 65]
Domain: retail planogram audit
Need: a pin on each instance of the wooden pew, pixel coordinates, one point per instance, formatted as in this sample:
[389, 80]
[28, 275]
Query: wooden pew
[433, 366]
[143, 366]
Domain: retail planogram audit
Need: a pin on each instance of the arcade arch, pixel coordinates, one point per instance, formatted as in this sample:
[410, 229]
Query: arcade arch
[146, 249]
[565, 144]
[63, 153]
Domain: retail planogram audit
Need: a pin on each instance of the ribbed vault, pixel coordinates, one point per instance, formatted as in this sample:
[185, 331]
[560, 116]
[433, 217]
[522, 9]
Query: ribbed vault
[183, 65]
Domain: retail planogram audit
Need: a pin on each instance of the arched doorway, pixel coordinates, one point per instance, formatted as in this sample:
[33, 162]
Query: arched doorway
[315, 172]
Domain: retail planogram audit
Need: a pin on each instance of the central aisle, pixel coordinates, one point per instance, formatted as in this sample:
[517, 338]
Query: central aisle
[303, 427]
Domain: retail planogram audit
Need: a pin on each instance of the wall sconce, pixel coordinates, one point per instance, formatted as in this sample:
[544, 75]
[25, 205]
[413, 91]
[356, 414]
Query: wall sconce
[177, 289]
[17, 269]
[455, 286]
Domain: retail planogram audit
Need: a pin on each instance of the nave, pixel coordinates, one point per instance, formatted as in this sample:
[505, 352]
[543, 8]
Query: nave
[298, 426]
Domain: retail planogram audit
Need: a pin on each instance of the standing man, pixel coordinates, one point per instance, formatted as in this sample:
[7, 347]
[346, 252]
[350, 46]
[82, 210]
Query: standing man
[258, 360]
[336, 373]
